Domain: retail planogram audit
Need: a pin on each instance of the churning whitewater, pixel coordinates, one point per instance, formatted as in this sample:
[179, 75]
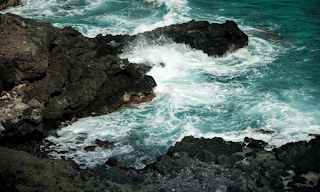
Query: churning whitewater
[272, 84]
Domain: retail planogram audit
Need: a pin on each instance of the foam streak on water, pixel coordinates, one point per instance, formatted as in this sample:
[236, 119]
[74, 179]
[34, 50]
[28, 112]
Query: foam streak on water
[92, 17]
[271, 84]
[196, 95]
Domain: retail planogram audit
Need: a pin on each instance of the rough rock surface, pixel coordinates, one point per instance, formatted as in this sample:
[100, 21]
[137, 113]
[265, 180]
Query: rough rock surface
[215, 165]
[21, 171]
[8, 3]
[213, 39]
[49, 75]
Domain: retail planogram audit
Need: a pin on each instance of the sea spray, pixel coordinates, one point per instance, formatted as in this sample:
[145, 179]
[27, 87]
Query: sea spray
[271, 84]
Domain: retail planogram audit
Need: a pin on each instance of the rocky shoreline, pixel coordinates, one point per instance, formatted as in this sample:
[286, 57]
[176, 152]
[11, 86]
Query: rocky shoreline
[49, 75]
[9, 3]
[194, 164]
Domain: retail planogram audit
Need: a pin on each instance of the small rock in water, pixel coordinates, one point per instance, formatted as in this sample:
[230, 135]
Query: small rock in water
[267, 132]
[90, 148]
[74, 119]
[104, 144]
[82, 136]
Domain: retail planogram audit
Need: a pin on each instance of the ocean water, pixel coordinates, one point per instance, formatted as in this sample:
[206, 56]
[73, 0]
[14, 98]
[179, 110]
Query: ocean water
[272, 84]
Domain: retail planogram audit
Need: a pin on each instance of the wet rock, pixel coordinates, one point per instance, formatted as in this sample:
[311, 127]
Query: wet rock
[8, 3]
[267, 132]
[205, 148]
[258, 144]
[82, 136]
[55, 135]
[112, 162]
[47, 142]
[265, 34]
[104, 144]
[291, 152]
[49, 74]
[73, 120]
[214, 39]
[90, 148]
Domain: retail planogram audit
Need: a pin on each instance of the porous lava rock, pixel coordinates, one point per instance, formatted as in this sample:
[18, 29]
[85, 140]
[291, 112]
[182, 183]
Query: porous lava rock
[213, 38]
[199, 164]
[8, 3]
[49, 75]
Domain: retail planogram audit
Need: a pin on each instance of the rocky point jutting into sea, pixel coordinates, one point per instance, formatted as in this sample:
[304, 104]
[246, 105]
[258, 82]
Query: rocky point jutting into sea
[49, 75]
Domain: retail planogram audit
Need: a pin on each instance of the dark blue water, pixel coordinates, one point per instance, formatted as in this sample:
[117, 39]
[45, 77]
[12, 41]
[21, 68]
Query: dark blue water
[272, 84]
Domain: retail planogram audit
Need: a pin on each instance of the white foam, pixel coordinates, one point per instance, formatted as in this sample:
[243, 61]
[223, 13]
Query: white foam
[177, 13]
[196, 95]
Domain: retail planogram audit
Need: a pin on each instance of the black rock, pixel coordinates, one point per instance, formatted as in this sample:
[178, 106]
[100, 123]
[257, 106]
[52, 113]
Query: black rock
[67, 75]
[90, 148]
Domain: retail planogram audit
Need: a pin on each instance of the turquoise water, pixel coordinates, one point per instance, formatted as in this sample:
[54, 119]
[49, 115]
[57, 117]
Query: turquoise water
[272, 84]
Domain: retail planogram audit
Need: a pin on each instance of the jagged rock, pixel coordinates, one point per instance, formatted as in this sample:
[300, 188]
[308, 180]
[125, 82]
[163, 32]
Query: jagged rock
[90, 148]
[267, 132]
[48, 75]
[214, 39]
[112, 162]
[8, 3]
[258, 144]
[104, 144]
[205, 149]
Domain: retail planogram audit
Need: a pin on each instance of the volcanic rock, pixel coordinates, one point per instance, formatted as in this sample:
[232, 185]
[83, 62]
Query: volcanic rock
[104, 144]
[90, 148]
[48, 75]
[8, 3]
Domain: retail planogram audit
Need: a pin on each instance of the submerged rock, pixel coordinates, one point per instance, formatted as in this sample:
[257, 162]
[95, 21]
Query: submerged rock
[267, 35]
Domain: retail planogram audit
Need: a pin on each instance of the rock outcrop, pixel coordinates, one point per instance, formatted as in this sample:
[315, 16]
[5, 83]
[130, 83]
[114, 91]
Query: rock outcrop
[233, 166]
[214, 39]
[48, 75]
[198, 164]
[8, 3]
